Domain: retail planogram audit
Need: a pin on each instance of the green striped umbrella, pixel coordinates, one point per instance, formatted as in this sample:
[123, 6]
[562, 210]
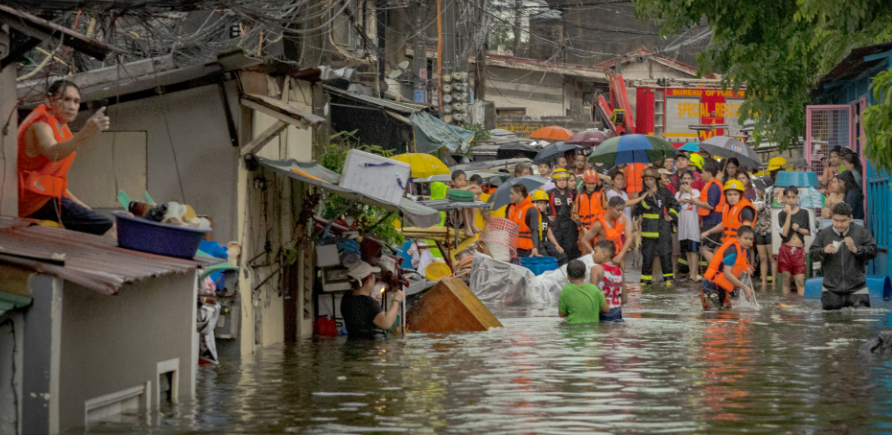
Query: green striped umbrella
[632, 148]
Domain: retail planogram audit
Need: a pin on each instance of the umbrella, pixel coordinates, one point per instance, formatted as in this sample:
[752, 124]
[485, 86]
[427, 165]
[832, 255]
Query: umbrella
[727, 148]
[502, 196]
[554, 151]
[690, 146]
[423, 165]
[588, 138]
[552, 133]
[632, 148]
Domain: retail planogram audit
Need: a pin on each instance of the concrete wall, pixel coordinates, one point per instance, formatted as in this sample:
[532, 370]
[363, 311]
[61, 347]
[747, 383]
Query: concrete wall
[9, 205]
[542, 94]
[113, 343]
[187, 143]
[11, 351]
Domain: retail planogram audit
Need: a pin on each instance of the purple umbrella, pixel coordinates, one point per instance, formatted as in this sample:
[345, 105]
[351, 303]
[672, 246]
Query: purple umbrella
[588, 138]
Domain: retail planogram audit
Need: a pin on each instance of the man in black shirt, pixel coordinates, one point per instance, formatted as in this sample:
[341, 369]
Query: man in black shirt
[362, 314]
[561, 200]
[794, 225]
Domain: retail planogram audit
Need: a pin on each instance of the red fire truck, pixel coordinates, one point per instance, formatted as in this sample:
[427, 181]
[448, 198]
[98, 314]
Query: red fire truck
[682, 115]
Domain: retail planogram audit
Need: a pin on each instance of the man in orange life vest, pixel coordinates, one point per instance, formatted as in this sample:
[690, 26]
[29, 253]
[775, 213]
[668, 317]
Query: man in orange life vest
[46, 149]
[522, 212]
[730, 262]
[738, 212]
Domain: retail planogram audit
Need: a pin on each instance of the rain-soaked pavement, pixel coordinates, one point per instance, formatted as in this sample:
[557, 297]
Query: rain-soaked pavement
[670, 368]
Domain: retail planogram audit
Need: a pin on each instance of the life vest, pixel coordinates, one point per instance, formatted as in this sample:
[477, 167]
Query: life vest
[704, 197]
[716, 276]
[731, 217]
[614, 234]
[518, 215]
[41, 179]
[590, 207]
[633, 173]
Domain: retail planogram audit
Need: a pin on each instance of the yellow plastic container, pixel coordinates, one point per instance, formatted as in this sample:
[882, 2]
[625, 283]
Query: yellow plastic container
[436, 271]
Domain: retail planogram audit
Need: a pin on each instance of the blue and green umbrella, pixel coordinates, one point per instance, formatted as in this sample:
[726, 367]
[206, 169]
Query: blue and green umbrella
[632, 148]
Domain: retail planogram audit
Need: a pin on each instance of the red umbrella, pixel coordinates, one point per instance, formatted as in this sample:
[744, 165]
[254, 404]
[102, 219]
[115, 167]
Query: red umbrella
[552, 133]
[589, 138]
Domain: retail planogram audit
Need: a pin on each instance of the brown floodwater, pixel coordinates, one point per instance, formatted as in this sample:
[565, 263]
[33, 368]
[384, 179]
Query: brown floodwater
[669, 368]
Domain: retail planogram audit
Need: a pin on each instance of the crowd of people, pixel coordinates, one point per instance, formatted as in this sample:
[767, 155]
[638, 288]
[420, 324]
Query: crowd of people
[693, 217]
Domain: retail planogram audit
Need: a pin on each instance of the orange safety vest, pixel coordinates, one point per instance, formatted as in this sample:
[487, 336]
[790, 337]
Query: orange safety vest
[704, 197]
[740, 265]
[614, 234]
[39, 178]
[518, 215]
[633, 173]
[731, 217]
[590, 207]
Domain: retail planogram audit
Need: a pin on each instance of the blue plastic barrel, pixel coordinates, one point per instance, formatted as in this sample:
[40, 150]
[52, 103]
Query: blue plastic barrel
[539, 265]
[878, 287]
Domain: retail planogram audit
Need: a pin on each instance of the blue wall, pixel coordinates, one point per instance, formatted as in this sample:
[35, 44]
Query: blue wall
[879, 185]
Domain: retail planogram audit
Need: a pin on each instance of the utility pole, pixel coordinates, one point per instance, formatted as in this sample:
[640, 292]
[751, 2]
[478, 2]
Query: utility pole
[381, 31]
[419, 60]
[518, 15]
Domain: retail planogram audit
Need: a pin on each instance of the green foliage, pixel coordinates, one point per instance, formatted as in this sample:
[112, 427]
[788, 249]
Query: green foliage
[369, 220]
[877, 122]
[778, 49]
[480, 133]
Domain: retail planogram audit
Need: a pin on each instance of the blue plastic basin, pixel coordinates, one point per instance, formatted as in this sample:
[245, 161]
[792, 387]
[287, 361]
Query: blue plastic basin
[539, 265]
[878, 287]
[158, 238]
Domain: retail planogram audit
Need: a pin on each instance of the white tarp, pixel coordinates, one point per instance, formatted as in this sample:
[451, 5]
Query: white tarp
[502, 283]
[549, 284]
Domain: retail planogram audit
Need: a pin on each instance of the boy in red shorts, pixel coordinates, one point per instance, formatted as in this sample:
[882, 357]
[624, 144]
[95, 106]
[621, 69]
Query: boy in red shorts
[794, 225]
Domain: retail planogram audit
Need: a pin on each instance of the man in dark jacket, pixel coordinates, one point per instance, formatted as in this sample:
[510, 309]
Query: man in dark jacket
[843, 249]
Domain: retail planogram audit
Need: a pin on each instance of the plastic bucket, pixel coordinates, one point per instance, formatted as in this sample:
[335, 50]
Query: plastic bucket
[878, 287]
[158, 238]
[539, 265]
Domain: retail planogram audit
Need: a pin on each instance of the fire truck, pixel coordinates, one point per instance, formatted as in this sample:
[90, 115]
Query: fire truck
[680, 115]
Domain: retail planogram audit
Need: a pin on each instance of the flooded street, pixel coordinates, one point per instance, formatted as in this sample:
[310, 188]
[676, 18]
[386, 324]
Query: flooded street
[669, 368]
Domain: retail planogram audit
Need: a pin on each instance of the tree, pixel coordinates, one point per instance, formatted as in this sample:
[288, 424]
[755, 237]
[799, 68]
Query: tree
[777, 49]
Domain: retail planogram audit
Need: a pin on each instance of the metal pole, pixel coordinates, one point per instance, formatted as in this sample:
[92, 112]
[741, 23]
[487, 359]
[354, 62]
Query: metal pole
[381, 31]
[420, 57]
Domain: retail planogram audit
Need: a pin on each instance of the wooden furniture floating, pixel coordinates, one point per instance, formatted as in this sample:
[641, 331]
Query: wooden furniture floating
[448, 307]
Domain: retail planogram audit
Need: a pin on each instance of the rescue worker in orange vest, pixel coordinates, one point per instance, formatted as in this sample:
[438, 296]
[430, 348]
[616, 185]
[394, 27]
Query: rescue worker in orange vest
[711, 204]
[738, 212]
[611, 226]
[723, 276]
[657, 212]
[522, 212]
[590, 202]
[46, 149]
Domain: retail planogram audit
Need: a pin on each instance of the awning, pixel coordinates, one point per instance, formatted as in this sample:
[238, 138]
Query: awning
[317, 175]
[431, 133]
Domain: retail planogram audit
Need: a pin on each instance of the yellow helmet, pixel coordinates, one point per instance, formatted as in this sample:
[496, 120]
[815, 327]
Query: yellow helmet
[735, 185]
[560, 173]
[776, 163]
[540, 195]
[697, 160]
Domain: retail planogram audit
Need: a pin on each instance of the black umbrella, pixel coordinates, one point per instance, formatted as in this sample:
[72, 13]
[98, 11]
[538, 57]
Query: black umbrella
[553, 151]
[726, 148]
[502, 196]
[516, 149]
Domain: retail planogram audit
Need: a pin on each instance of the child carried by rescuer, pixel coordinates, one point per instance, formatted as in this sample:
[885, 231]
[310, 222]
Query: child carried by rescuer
[580, 302]
[608, 277]
[728, 265]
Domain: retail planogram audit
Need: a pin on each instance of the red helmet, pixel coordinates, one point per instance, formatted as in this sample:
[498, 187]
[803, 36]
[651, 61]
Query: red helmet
[590, 176]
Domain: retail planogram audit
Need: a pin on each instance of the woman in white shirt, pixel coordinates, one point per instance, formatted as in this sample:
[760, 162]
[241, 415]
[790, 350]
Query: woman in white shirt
[689, 222]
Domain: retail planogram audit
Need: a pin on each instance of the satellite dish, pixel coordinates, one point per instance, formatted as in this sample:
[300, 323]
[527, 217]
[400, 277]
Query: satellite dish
[399, 70]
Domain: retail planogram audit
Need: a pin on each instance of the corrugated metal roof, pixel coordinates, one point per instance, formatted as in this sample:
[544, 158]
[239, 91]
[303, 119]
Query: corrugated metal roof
[403, 107]
[91, 261]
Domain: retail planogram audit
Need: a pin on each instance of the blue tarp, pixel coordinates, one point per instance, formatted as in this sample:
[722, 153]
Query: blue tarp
[431, 133]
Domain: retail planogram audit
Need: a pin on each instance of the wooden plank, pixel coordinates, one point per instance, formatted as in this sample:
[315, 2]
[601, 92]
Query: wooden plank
[283, 108]
[264, 138]
[274, 113]
[42, 29]
[450, 306]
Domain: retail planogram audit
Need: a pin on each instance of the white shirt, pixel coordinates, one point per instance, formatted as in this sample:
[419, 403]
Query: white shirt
[688, 217]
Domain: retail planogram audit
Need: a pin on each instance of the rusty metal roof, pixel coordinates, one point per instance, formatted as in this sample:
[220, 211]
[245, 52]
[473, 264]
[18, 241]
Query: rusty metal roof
[91, 261]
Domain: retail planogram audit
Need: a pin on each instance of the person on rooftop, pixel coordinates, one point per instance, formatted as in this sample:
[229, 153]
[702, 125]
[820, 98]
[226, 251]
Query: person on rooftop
[46, 150]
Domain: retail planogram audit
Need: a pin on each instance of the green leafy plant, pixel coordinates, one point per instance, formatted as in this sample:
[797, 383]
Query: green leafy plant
[877, 122]
[369, 220]
[776, 49]
[480, 133]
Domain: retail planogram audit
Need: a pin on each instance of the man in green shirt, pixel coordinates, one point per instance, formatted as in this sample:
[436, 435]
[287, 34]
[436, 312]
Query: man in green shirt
[580, 301]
